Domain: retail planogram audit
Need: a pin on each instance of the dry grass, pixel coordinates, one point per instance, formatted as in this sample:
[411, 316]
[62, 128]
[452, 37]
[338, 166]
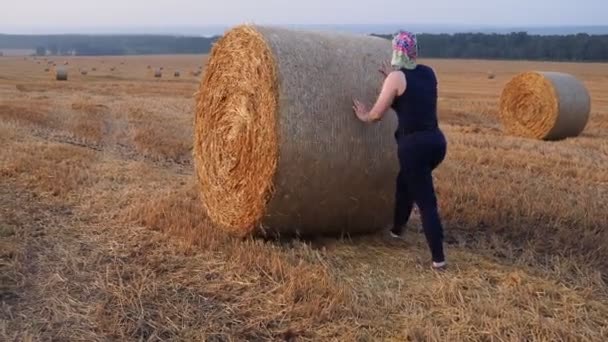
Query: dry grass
[89, 122]
[32, 113]
[166, 141]
[102, 238]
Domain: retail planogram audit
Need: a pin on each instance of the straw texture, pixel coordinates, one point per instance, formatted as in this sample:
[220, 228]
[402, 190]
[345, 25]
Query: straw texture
[545, 105]
[277, 147]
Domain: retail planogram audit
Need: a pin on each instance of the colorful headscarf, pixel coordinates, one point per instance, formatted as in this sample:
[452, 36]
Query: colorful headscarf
[405, 50]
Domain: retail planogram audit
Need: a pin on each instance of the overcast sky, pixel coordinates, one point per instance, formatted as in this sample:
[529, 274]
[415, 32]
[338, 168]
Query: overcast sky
[159, 13]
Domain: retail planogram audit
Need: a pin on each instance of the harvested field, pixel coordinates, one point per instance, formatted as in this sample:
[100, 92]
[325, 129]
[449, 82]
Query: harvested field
[102, 235]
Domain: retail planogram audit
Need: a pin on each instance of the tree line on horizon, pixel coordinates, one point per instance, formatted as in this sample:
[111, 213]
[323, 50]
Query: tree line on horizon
[513, 46]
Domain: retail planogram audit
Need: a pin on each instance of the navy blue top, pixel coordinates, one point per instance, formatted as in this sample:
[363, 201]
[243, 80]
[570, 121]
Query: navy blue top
[417, 107]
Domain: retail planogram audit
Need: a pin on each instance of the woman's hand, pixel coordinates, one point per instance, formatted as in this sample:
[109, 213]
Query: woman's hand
[394, 85]
[360, 110]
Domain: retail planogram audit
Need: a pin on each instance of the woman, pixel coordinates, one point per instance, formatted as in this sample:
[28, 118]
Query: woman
[411, 90]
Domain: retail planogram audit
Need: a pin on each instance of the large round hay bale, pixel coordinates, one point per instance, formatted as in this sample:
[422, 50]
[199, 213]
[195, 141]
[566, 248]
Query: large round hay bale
[61, 74]
[545, 105]
[158, 73]
[277, 147]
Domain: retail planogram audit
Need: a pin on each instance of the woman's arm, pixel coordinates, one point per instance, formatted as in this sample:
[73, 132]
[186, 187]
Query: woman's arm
[392, 86]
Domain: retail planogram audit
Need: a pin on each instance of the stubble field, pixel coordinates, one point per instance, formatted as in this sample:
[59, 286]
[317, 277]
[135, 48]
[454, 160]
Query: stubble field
[102, 235]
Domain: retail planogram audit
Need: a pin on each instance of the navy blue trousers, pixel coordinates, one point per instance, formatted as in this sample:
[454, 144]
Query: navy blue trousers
[419, 154]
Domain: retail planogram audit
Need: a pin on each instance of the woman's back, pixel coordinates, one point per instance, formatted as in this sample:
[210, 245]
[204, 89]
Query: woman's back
[417, 107]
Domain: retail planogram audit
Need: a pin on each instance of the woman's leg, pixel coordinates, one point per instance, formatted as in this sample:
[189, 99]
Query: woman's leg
[403, 204]
[424, 156]
[421, 187]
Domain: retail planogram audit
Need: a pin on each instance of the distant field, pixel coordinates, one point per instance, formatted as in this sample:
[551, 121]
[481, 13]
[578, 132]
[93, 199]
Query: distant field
[102, 235]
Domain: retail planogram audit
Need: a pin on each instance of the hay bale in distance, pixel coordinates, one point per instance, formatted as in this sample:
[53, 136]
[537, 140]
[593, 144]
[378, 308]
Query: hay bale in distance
[281, 152]
[545, 105]
[84, 72]
[112, 69]
[491, 75]
[61, 74]
[47, 69]
[176, 74]
[94, 69]
[158, 73]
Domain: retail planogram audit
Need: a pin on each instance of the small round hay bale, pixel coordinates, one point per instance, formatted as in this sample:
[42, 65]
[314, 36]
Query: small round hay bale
[94, 69]
[545, 105]
[491, 75]
[61, 74]
[149, 67]
[161, 68]
[84, 72]
[112, 69]
[66, 63]
[176, 74]
[281, 152]
[158, 73]
[47, 69]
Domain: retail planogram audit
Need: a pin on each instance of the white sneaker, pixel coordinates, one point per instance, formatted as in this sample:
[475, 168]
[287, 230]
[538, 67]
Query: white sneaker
[439, 265]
